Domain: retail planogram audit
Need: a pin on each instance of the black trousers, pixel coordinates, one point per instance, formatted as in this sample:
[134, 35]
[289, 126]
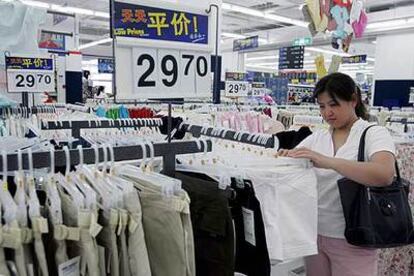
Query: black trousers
[252, 257]
[212, 225]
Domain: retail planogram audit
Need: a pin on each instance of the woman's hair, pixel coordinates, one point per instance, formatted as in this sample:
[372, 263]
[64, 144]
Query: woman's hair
[100, 90]
[341, 86]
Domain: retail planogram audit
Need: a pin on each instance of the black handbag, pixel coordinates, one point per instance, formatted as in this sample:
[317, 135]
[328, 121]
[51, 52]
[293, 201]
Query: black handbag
[376, 217]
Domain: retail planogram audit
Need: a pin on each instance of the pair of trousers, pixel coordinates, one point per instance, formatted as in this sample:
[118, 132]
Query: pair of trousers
[10, 241]
[336, 257]
[212, 225]
[252, 257]
[122, 243]
[108, 239]
[168, 231]
[39, 227]
[86, 247]
[137, 248]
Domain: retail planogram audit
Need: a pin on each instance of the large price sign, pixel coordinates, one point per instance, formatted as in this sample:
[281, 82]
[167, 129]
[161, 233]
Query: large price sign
[30, 74]
[237, 88]
[159, 73]
[162, 52]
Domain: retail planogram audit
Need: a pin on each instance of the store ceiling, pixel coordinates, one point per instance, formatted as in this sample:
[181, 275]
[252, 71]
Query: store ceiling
[273, 32]
[93, 28]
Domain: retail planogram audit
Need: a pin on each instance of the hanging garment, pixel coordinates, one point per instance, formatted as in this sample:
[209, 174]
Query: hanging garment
[19, 25]
[360, 25]
[108, 239]
[122, 243]
[137, 248]
[319, 20]
[335, 63]
[320, 66]
[308, 18]
[290, 139]
[212, 225]
[170, 241]
[87, 247]
[288, 200]
[39, 227]
[252, 257]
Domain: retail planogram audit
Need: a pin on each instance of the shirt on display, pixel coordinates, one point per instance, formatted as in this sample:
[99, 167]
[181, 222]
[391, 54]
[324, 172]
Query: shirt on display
[331, 222]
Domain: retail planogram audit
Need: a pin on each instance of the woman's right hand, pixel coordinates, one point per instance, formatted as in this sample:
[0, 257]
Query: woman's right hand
[283, 152]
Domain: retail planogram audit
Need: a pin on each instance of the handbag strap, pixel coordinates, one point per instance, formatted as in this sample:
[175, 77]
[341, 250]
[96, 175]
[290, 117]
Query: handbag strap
[361, 151]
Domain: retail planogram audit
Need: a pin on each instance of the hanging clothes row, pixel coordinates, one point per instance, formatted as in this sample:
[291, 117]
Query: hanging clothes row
[123, 112]
[107, 222]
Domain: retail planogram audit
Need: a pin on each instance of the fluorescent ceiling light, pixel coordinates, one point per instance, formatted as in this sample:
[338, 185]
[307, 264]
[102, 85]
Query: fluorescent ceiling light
[320, 50]
[233, 35]
[267, 15]
[386, 24]
[391, 24]
[64, 9]
[239, 36]
[36, 4]
[71, 10]
[101, 14]
[287, 20]
[95, 43]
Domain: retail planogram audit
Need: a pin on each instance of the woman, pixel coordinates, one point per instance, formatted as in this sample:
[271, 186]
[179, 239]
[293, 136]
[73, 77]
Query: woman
[334, 154]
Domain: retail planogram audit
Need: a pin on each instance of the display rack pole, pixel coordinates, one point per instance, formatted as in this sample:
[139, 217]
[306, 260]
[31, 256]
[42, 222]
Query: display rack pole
[25, 99]
[216, 83]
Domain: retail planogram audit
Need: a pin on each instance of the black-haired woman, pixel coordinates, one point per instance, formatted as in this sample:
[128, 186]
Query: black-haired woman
[334, 154]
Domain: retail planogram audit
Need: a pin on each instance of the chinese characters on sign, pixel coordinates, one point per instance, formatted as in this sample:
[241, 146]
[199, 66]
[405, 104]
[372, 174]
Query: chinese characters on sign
[30, 74]
[246, 43]
[29, 63]
[154, 23]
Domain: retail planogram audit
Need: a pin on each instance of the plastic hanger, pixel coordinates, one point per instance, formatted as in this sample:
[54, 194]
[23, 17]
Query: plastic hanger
[33, 202]
[168, 185]
[65, 182]
[79, 179]
[95, 180]
[20, 197]
[9, 205]
[52, 192]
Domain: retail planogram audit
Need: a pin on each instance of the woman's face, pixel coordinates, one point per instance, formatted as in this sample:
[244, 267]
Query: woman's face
[338, 114]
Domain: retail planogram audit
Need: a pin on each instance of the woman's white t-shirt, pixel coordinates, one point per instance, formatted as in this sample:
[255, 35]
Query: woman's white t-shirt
[331, 222]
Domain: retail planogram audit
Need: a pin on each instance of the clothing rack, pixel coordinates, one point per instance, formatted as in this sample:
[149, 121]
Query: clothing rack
[403, 121]
[26, 111]
[123, 153]
[76, 126]
[259, 139]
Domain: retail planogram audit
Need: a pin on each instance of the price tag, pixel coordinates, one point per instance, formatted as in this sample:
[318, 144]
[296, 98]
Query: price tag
[165, 73]
[258, 89]
[237, 88]
[30, 74]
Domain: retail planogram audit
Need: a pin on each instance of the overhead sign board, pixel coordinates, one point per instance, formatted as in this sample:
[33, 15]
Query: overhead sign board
[246, 43]
[355, 59]
[177, 67]
[148, 22]
[30, 74]
[105, 65]
[291, 57]
[303, 41]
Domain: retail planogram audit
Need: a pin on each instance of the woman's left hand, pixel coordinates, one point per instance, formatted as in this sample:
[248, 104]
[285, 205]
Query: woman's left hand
[318, 160]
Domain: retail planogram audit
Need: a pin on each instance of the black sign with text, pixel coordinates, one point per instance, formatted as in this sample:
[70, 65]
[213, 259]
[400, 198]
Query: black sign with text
[291, 57]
